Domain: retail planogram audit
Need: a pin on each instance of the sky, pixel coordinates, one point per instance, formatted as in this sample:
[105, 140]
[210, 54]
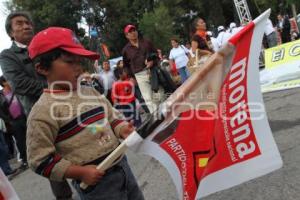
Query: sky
[4, 39]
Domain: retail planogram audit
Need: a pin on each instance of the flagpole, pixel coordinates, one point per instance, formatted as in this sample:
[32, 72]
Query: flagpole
[151, 123]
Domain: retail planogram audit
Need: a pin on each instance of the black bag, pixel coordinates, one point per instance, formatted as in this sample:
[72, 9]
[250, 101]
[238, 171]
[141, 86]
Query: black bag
[160, 77]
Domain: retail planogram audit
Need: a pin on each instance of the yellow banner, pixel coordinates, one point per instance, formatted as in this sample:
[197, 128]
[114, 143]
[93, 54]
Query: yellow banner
[282, 54]
[281, 86]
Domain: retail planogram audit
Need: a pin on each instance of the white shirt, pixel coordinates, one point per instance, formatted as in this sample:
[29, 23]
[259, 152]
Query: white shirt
[214, 43]
[179, 56]
[269, 27]
[280, 24]
[222, 38]
[20, 45]
[107, 79]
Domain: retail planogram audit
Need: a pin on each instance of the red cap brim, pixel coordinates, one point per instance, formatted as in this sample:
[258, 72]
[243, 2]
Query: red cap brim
[128, 28]
[82, 52]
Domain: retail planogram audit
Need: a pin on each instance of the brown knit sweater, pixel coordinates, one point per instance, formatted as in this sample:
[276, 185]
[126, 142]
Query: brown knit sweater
[67, 128]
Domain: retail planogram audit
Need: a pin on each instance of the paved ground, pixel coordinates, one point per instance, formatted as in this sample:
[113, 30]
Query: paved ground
[283, 110]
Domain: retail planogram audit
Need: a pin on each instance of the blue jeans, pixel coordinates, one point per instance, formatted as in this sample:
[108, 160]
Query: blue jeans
[4, 155]
[118, 183]
[184, 74]
[130, 111]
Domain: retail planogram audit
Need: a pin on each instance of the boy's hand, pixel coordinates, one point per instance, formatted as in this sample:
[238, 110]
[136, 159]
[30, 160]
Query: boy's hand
[126, 130]
[91, 175]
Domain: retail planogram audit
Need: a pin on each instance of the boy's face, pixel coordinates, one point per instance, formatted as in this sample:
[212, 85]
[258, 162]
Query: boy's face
[66, 68]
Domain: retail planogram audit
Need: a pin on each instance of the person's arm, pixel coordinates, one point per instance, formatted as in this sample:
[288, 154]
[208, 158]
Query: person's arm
[42, 157]
[21, 83]
[186, 51]
[114, 93]
[125, 131]
[171, 59]
[171, 62]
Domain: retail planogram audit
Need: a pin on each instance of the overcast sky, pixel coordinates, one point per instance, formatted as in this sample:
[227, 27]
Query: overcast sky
[4, 40]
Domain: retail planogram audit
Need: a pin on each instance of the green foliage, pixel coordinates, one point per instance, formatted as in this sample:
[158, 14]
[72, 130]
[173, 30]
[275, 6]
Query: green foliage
[158, 27]
[51, 13]
[157, 20]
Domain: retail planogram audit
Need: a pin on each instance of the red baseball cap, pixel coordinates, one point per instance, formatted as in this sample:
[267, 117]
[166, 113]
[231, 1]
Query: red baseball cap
[58, 37]
[128, 28]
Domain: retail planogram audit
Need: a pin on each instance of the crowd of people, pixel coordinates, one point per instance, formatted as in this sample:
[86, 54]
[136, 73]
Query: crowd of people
[37, 68]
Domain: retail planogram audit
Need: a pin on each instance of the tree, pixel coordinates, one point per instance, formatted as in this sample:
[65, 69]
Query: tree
[158, 27]
[158, 20]
[51, 13]
[111, 16]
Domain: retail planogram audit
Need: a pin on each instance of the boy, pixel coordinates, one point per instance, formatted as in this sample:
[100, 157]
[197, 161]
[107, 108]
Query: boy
[71, 129]
[123, 97]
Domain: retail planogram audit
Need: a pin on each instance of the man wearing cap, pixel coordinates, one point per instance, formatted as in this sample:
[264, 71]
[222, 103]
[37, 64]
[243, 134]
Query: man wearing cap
[134, 56]
[19, 71]
[223, 36]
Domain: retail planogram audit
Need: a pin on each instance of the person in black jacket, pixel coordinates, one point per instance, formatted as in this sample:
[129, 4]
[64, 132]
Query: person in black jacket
[15, 63]
[284, 27]
[19, 71]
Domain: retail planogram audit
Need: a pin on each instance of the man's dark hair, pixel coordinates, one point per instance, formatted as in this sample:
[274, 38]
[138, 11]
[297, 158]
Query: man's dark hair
[174, 39]
[105, 60]
[2, 81]
[8, 22]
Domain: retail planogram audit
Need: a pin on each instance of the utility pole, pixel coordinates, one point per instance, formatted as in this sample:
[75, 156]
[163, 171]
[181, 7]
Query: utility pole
[243, 11]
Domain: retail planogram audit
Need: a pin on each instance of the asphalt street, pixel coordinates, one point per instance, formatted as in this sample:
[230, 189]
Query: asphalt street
[283, 110]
